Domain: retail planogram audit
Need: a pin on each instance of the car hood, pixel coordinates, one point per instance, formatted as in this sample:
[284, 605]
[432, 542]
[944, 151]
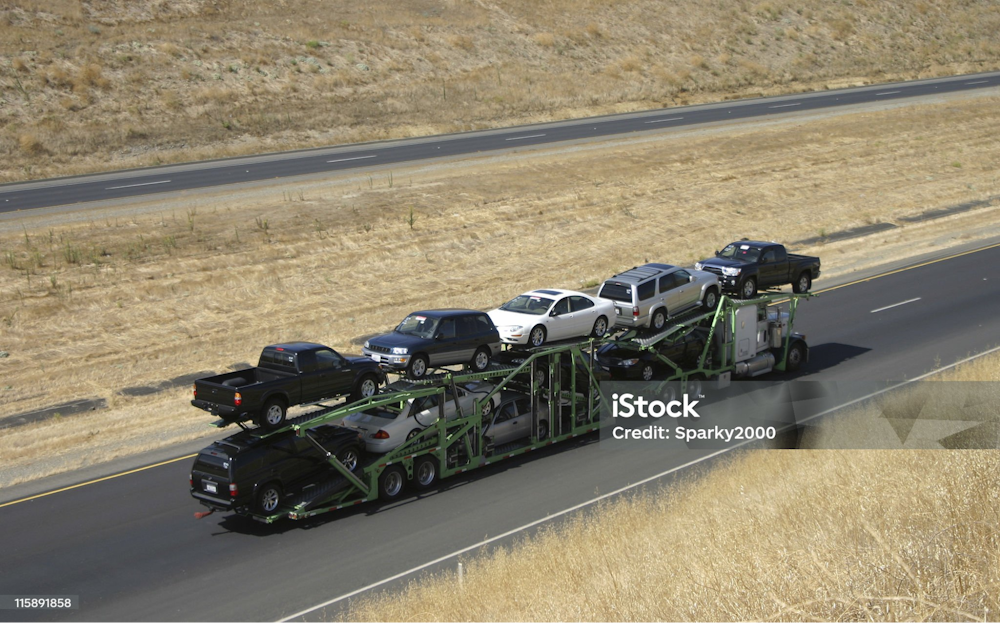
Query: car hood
[395, 339]
[504, 318]
[719, 262]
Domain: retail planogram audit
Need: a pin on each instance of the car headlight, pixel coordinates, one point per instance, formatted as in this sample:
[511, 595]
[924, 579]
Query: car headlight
[400, 350]
[699, 266]
[366, 344]
[629, 362]
[730, 272]
[513, 328]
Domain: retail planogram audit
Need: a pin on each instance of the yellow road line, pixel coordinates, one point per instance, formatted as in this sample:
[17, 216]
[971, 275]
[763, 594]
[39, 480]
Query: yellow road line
[191, 456]
[90, 482]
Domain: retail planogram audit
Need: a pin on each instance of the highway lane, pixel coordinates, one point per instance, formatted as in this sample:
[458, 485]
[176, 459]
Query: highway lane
[140, 182]
[131, 550]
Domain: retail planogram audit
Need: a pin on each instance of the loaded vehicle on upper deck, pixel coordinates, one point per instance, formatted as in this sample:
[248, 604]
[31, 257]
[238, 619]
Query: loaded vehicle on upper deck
[747, 266]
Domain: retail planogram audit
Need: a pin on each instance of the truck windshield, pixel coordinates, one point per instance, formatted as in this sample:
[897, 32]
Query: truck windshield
[420, 326]
[739, 251]
[525, 304]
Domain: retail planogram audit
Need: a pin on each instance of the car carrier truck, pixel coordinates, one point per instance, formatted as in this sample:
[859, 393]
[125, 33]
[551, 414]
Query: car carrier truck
[539, 404]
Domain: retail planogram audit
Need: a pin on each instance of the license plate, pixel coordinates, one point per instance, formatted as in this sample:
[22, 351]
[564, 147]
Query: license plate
[210, 487]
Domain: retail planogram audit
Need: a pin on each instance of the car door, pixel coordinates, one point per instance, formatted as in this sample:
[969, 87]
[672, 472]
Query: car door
[686, 292]
[447, 348]
[561, 321]
[521, 427]
[330, 376]
[504, 427]
[584, 314]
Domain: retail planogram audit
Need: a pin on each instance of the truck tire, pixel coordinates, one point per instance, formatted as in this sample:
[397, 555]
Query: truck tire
[391, 483]
[366, 387]
[273, 414]
[268, 498]
[417, 367]
[658, 320]
[481, 360]
[600, 327]
[796, 355]
[803, 283]
[749, 288]
[537, 336]
[711, 299]
[425, 472]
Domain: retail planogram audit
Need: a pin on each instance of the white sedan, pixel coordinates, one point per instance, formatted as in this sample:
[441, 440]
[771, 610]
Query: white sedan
[546, 315]
[386, 428]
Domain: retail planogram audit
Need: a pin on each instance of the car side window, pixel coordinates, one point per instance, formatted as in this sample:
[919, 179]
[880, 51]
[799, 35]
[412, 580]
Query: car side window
[447, 328]
[326, 359]
[681, 277]
[506, 412]
[562, 307]
[768, 257]
[483, 324]
[523, 406]
[780, 255]
[578, 303]
[469, 326]
[646, 290]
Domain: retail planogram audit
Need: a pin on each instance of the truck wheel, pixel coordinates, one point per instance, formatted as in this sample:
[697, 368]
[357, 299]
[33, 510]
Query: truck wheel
[366, 387]
[269, 498]
[537, 336]
[711, 299]
[273, 414]
[659, 319]
[600, 327]
[417, 367]
[647, 371]
[391, 482]
[350, 457]
[802, 284]
[796, 355]
[425, 472]
[481, 360]
[749, 289]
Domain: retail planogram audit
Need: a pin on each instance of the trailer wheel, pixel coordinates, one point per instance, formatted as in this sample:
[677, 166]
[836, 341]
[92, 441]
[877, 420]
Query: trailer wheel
[350, 457]
[647, 371]
[273, 414]
[695, 385]
[537, 335]
[749, 289]
[417, 367]
[391, 482]
[366, 387]
[425, 472]
[711, 299]
[600, 327]
[796, 355]
[659, 319]
[481, 360]
[269, 498]
[803, 283]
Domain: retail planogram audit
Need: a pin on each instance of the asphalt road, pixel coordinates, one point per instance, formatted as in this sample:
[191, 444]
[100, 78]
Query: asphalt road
[139, 182]
[130, 549]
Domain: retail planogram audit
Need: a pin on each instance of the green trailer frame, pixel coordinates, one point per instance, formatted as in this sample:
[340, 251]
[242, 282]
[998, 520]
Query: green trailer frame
[457, 446]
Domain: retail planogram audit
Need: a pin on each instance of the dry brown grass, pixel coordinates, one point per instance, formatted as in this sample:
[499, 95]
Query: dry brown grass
[770, 535]
[379, 67]
[92, 302]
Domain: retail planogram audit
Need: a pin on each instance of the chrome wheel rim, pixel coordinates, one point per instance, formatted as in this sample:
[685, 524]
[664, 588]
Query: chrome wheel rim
[601, 327]
[269, 500]
[482, 360]
[418, 368]
[393, 484]
[537, 336]
[426, 473]
[350, 460]
[274, 415]
[368, 388]
[647, 372]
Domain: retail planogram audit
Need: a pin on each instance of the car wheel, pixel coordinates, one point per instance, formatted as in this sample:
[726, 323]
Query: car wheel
[537, 335]
[796, 355]
[417, 367]
[802, 284]
[269, 498]
[749, 289]
[659, 319]
[413, 433]
[541, 374]
[425, 472]
[273, 414]
[350, 457]
[543, 430]
[481, 360]
[366, 387]
[391, 482]
[487, 408]
[647, 372]
[600, 327]
[711, 299]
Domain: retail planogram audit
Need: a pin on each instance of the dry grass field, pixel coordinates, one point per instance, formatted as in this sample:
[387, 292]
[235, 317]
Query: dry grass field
[90, 85]
[772, 535]
[96, 301]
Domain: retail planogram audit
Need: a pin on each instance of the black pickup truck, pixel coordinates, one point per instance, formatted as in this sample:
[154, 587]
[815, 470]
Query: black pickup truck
[287, 375]
[746, 266]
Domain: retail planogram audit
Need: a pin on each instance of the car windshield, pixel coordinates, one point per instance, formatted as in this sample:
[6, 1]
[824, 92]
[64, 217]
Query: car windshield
[740, 251]
[420, 326]
[528, 304]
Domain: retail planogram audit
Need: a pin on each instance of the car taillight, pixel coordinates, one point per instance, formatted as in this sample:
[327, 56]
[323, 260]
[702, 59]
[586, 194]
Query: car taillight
[195, 390]
[233, 490]
[381, 435]
[238, 399]
[191, 479]
[635, 312]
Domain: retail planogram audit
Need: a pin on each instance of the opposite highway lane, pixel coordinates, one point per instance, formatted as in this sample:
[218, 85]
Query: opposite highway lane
[131, 550]
[102, 187]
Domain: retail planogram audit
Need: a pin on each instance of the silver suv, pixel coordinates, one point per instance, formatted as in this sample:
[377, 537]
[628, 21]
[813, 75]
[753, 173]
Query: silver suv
[645, 296]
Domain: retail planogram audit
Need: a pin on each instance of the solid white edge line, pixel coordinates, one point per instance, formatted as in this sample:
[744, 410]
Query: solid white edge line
[665, 120]
[887, 93]
[521, 138]
[875, 311]
[348, 159]
[625, 488]
[978, 82]
[786, 105]
[137, 185]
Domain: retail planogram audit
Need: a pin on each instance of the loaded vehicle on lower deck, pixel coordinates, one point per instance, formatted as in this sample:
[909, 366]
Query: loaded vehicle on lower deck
[546, 395]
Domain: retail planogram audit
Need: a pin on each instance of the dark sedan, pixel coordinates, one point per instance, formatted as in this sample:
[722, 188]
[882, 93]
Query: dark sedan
[645, 365]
